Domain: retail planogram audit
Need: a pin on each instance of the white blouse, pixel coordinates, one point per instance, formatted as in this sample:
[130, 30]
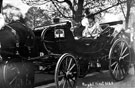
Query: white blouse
[90, 30]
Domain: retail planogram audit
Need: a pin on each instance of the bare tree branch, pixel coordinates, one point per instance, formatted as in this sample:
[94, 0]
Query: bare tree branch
[110, 7]
[122, 8]
[35, 2]
[70, 5]
[87, 3]
[60, 1]
[1, 1]
[59, 10]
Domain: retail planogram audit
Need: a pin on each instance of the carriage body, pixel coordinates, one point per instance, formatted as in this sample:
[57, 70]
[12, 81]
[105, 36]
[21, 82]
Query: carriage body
[110, 51]
[59, 39]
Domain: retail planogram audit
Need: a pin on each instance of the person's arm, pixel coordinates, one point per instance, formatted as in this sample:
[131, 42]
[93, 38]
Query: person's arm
[98, 28]
[85, 22]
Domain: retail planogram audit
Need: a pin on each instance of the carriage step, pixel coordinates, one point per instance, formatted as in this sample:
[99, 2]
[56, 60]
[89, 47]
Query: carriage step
[39, 57]
[94, 65]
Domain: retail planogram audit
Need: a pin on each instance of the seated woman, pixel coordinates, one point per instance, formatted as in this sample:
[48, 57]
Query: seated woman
[92, 28]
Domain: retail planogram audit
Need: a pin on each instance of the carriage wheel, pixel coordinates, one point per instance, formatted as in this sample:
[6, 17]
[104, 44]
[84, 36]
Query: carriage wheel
[119, 56]
[16, 77]
[66, 72]
[12, 77]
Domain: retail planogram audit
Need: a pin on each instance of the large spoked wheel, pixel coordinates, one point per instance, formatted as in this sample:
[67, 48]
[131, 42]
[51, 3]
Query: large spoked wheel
[12, 78]
[16, 75]
[66, 72]
[119, 56]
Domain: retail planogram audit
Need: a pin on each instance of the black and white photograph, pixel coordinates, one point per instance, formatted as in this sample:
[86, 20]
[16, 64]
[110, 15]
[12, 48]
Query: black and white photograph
[67, 43]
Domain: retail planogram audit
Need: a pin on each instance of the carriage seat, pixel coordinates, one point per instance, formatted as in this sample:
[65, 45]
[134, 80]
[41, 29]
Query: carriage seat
[103, 36]
[86, 41]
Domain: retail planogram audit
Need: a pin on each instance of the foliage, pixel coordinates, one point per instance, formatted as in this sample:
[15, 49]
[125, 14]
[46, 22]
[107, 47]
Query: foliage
[36, 17]
[11, 13]
[74, 9]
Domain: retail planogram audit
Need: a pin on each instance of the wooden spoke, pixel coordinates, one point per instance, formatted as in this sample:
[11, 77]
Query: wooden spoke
[69, 64]
[113, 63]
[123, 71]
[122, 74]
[115, 67]
[125, 55]
[69, 82]
[122, 46]
[64, 85]
[115, 71]
[14, 79]
[72, 67]
[124, 51]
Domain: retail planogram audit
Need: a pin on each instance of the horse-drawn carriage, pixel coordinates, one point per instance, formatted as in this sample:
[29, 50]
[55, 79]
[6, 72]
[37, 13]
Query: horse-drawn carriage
[24, 52]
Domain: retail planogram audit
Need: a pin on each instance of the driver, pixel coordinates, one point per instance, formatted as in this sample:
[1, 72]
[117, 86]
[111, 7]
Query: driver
[92, 28]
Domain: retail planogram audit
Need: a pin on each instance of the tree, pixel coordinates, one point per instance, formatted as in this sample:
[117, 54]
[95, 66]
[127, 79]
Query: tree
[36, 17]
[75, 8]
[1, 1]
[129, 5]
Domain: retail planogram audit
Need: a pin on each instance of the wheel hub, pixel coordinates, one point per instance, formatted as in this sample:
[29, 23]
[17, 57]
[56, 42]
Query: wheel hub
[68, 74]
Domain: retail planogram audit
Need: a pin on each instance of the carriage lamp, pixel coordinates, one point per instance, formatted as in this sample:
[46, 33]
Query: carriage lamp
[41, 53]
[59, 33]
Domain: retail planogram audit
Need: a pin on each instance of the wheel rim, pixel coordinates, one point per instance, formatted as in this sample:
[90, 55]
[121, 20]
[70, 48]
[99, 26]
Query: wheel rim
[119, 60]
[66, 73]
[12, 76]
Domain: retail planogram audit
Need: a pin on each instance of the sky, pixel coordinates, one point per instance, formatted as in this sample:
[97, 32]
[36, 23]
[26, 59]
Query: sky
[17, 3]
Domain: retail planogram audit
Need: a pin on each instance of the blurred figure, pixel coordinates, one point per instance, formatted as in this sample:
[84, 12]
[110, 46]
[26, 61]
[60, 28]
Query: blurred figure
[17, 15]
[12, 14]
[2, 21]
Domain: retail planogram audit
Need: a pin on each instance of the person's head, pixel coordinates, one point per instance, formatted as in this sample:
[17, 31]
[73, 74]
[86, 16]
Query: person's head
[91, 20]
[87, 11]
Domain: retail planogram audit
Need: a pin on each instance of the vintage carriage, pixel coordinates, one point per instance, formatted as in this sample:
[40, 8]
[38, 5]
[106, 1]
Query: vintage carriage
[77, 56]
[24, 52]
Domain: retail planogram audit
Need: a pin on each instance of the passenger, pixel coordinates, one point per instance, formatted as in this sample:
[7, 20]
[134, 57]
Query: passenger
[92, 28]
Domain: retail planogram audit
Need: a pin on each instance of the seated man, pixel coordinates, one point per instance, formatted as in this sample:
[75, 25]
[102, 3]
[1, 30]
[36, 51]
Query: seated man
[92, 28]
